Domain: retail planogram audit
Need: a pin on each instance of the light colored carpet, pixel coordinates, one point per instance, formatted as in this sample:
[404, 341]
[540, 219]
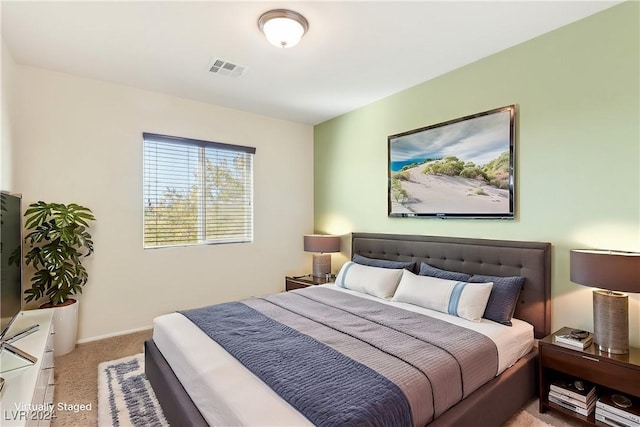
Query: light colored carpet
[525, 419]
[77, 380]
[77, 384]
[529, 416]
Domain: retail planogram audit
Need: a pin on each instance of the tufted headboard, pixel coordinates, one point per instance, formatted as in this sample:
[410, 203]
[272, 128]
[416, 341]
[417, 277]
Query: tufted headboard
[475, 256]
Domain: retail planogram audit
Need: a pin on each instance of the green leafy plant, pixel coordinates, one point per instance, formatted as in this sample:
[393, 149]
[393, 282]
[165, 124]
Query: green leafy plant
[57, 240]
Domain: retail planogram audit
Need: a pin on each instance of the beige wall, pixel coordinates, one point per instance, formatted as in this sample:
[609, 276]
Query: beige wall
[80, 140]
[6, 96]
[577, 149]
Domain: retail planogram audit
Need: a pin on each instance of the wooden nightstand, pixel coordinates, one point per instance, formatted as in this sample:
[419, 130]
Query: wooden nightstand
[609, 372]
[291, 283]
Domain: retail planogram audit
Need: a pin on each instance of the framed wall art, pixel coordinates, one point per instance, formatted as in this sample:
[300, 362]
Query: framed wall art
[462, 168]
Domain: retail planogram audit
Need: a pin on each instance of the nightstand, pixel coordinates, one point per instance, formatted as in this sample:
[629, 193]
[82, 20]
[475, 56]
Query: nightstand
[298, 282]
[609, 372]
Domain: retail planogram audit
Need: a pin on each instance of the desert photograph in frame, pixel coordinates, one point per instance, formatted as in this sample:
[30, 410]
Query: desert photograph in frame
[462, 168]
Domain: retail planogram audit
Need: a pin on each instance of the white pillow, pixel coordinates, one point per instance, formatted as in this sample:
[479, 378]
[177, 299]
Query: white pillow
[376, 281]
[461, 299]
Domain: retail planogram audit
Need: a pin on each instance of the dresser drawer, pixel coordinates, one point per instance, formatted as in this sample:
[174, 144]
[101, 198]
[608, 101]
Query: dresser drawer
[47, 360]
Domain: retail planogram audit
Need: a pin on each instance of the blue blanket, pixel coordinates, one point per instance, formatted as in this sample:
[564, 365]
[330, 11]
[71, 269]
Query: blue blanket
[333, 390]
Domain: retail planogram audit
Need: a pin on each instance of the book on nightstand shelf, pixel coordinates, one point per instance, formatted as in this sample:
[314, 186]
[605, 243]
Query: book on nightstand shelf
[574, 388]
[574, 337]
[571, 406]
[588, 405]
[618, 410]
[574, 394]
[612, 419]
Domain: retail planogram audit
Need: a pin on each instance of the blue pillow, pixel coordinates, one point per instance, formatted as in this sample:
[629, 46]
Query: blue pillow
[431, 271]
[504, 297]
[384, 263]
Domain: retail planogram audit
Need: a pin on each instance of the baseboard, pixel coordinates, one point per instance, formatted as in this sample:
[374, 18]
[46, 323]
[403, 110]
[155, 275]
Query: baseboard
[115, 334]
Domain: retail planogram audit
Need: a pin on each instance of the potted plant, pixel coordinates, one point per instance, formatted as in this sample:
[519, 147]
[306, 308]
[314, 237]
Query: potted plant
[57, 241]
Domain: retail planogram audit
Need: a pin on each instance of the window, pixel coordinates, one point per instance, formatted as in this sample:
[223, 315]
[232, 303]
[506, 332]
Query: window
[196, 192]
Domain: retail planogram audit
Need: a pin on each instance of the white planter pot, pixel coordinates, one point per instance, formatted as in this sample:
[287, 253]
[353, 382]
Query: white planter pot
[65, 326]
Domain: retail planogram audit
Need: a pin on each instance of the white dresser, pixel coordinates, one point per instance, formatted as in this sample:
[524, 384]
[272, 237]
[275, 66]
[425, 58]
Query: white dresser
[27, 397]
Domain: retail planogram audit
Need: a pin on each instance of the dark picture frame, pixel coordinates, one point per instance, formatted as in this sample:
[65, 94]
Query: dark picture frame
[462, 168]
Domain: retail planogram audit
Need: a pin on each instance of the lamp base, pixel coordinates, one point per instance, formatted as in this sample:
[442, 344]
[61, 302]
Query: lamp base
[611, 321]
[321, 265]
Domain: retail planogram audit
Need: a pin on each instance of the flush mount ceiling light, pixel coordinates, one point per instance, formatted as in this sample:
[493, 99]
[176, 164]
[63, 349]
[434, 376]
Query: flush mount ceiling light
[283, 28]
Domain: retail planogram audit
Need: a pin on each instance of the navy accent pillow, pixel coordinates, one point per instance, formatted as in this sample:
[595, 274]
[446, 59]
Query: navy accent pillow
[384, 263]
[431, 271]
[504, 297]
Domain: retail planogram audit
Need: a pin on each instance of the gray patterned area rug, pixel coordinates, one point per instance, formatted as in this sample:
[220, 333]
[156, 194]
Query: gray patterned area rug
[125, 397]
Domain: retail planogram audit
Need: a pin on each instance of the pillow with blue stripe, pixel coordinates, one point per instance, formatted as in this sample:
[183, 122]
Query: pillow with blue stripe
[431, 271]
[376, 281]
[384, 263]
[458, 298]
[504, 296]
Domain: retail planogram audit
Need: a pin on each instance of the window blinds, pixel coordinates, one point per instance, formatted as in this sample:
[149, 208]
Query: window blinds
[196, 192]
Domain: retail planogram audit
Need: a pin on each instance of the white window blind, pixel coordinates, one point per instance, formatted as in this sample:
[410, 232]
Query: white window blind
[196, 192]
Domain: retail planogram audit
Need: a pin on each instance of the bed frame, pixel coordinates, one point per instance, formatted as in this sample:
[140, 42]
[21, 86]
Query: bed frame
[490, 405]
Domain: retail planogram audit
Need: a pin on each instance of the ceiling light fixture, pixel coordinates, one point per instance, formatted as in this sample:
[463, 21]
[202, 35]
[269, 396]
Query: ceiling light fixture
[284, 28]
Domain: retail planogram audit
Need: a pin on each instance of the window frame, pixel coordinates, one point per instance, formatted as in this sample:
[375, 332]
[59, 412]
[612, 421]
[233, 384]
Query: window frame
[202, 228]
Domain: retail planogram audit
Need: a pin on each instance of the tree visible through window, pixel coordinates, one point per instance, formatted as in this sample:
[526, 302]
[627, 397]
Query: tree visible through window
[196, 192]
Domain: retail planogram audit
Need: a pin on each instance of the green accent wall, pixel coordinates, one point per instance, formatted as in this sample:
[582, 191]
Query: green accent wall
[577, 149]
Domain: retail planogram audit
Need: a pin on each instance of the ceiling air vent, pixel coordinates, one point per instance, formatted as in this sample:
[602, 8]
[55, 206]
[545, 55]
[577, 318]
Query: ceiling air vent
[225, 68]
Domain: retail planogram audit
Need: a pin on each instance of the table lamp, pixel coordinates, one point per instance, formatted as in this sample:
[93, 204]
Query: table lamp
[614, 272]
[322, 244]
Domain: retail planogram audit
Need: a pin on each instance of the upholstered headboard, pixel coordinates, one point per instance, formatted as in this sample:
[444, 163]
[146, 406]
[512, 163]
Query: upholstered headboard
[475, 256]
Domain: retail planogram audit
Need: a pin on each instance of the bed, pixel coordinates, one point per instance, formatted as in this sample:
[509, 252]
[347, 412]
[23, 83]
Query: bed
[175, 353]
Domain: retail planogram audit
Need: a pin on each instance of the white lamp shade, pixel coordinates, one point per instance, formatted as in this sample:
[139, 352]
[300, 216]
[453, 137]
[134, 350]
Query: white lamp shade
[283, 32]
[283, 28]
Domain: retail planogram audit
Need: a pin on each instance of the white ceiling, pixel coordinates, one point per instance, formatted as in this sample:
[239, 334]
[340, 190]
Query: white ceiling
[353, 54]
